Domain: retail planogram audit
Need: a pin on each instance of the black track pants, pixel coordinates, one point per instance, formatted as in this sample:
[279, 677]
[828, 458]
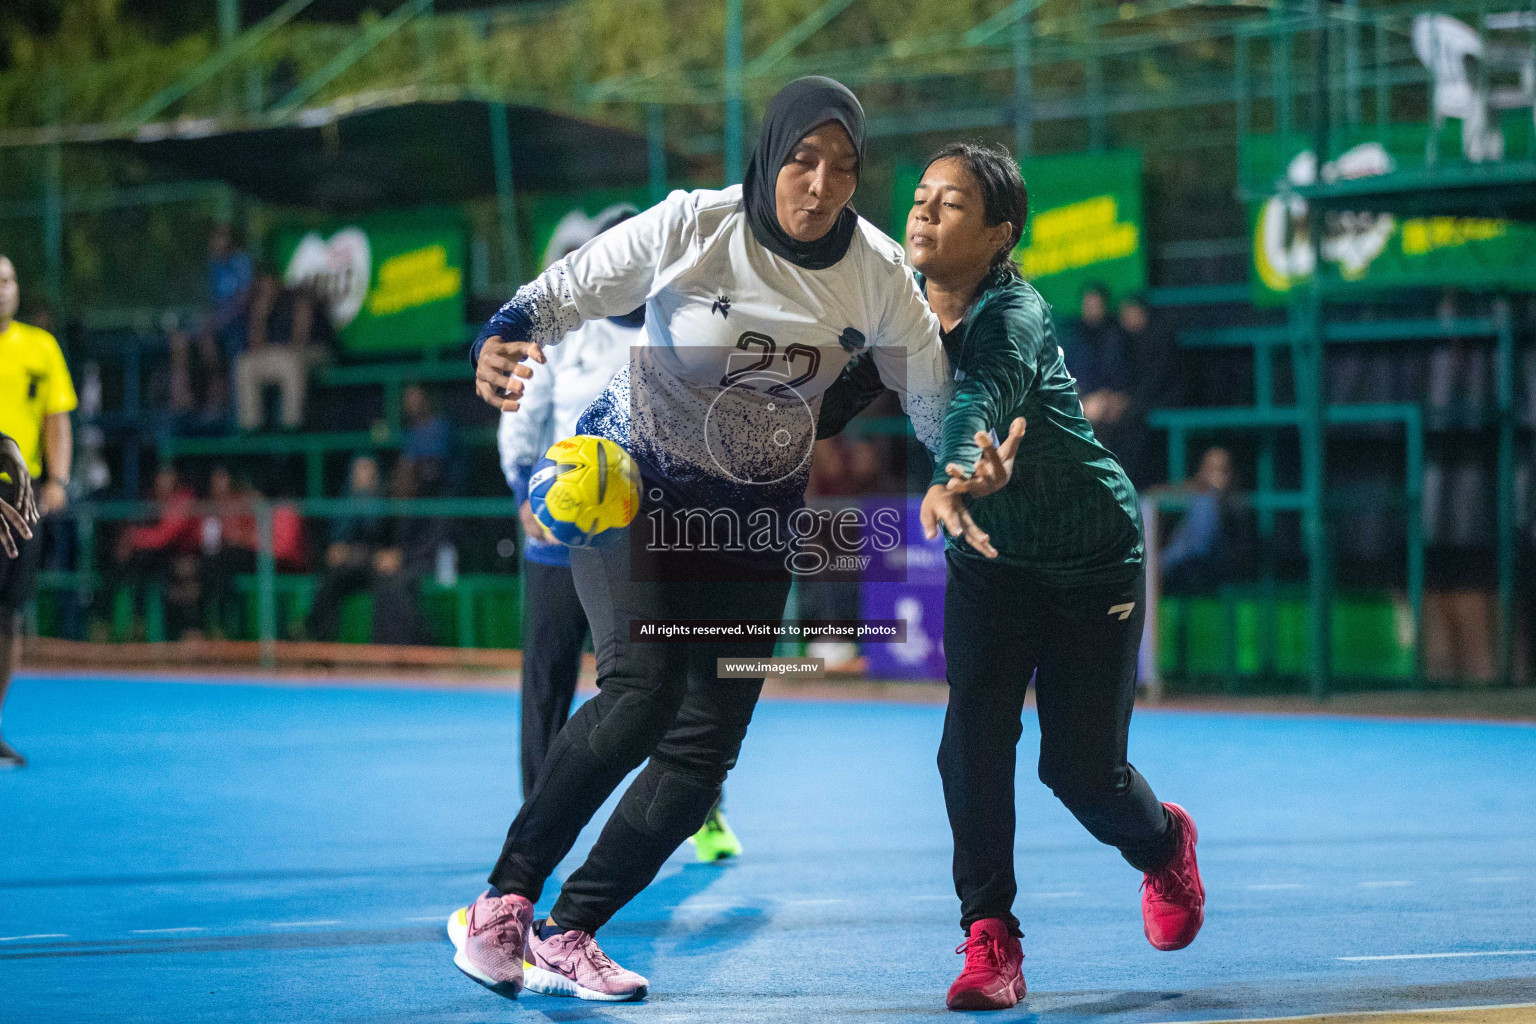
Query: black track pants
[554, 627]
[658, 703]
[1081, 643]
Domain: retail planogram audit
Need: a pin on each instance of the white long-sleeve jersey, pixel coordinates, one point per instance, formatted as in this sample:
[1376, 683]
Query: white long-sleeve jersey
[559, 391]
[553, 400]
[720, 405]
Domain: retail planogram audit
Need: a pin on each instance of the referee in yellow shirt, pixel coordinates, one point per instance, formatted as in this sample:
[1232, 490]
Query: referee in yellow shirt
[36, 398]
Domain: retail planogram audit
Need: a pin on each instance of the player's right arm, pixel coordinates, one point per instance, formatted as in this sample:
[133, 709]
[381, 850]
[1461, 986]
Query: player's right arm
[609, 276]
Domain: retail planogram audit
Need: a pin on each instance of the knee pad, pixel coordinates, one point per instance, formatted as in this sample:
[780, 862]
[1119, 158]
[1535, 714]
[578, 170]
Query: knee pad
[627, 728]
[667, 803]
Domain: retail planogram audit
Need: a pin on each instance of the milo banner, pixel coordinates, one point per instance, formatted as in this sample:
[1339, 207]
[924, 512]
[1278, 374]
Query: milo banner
[1084, 226]
[392, 282]
[559, 222]
[1367, 249]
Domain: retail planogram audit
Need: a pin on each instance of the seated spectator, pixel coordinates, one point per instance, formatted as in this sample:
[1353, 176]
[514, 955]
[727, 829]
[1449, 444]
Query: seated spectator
[1152, 376]
[427, 440]
[229, 545]
[1196, 557]
[164, 552]
[349, 556]
[198, 391]
[288, 333]
[411, 557]
[385, 555]
[229, 285]
[1095, 357]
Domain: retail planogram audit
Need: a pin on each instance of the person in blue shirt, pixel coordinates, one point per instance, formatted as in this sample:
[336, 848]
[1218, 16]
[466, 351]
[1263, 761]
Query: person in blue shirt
[230, 278]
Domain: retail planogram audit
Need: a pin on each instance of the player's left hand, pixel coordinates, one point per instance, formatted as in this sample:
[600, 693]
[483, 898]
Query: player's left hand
[500, 372]
[941, 506]
[995, 466]
[52, 498]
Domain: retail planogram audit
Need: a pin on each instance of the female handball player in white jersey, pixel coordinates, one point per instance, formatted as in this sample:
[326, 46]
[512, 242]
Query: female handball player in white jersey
[777, 274]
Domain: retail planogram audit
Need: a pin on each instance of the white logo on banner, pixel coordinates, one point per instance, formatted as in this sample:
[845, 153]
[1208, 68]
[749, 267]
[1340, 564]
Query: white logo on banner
[340, 270]
[1283, 249]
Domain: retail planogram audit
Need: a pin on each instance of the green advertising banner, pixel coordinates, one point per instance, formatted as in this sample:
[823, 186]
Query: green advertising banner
[556, 219]
[1085, 223]
[1367, 250]
[393, 282]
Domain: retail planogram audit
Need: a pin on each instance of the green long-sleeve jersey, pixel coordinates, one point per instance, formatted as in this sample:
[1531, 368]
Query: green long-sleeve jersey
[1069, 514]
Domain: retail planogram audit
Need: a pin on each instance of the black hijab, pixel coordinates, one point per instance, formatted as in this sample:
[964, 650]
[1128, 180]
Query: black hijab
[798, 109]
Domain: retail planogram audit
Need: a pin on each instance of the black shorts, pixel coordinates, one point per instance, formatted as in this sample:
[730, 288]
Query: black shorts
[18, 576]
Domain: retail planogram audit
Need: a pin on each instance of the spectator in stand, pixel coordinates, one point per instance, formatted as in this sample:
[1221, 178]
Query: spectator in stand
[152, 553]
[348, 558]
[228, 548]
[387, 555]
[288, 333]
[400, 568]
[1152, 376]
[1203, 546]
[197, 391]
[427, 440]
[230, 277]
[1094, 356]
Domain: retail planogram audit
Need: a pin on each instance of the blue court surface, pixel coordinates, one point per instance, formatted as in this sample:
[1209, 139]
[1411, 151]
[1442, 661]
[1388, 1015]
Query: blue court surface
[219, 852]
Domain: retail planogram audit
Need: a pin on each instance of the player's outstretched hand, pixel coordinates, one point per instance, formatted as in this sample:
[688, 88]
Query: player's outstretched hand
[995, 466]
[500, 373]
[19, 515]
[943, 507]
[13, 529]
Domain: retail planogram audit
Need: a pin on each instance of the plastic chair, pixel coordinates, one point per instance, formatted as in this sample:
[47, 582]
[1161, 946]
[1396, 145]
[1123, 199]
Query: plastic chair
[1446, 47]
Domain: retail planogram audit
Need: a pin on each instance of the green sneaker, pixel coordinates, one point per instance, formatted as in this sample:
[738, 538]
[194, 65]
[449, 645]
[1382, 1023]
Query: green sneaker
[715, 841]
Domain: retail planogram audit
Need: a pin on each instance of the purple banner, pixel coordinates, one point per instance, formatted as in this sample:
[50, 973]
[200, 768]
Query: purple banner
[908, 584]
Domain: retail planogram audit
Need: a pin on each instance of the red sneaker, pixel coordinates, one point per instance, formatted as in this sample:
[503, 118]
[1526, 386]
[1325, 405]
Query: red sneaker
[993, 978]
[1173, 899]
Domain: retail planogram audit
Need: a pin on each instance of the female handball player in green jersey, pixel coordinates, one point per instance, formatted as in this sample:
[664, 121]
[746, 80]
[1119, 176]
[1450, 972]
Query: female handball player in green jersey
[1044, 578]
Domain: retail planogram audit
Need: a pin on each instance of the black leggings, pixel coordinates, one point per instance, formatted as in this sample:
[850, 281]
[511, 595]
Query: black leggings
[1081, 644]
[656, 700]
[554, 626]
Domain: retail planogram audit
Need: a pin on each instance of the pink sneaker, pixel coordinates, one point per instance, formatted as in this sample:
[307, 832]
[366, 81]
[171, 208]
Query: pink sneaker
[1173, 899]
[993, 976]
[571, 964]
[496, 934]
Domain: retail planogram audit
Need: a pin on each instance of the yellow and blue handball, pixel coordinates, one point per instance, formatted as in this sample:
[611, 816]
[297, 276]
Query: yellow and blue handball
[585, 490]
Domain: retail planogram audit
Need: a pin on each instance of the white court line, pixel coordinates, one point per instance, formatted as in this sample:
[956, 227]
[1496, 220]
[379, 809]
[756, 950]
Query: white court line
[303, 924]
[1052, 895]
[942, 896]
[1395, 884]
[439, 918]
[20, 938]
[1275, 886]
[812, 903]
[164, 931]
[708, 906]
[1336, 1014]
[1495, 878]
[1439, 956]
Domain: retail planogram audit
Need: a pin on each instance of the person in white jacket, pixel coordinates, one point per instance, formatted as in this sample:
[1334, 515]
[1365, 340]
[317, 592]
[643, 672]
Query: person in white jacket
[756, 297]
[554, 625]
